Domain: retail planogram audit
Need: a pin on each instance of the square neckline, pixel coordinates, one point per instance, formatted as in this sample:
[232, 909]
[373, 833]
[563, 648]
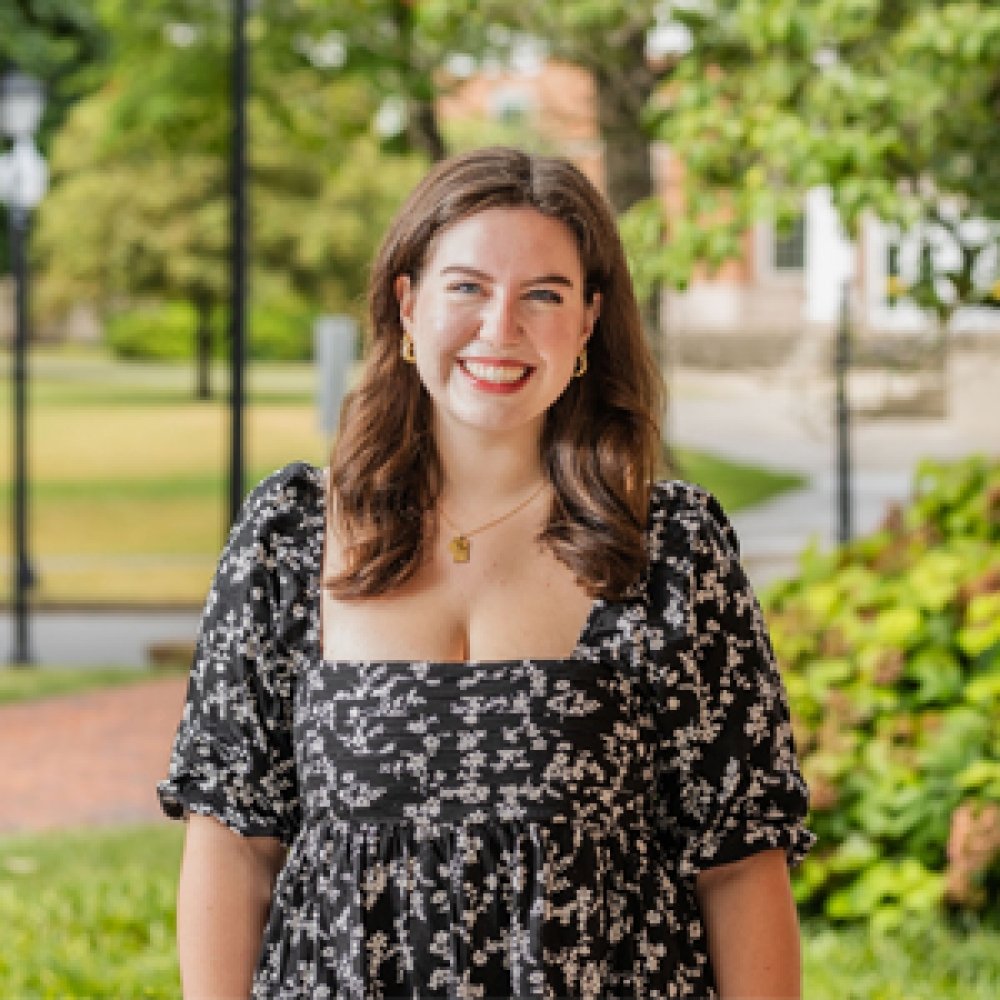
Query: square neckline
[597, 605]
[576, 655]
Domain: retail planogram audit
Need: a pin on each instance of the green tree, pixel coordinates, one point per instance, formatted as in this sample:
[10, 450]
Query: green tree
[115, 229]
[139, 204]
[892, 104]
[611, 41]
[400, 49]
[59, 41]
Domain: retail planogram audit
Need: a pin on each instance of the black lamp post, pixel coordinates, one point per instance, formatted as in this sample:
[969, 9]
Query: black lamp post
[23, 180]
[238, 259]
[845, 491]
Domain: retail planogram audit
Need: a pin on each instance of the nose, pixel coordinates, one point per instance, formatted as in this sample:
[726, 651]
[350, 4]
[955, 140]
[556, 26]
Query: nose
[501, 324]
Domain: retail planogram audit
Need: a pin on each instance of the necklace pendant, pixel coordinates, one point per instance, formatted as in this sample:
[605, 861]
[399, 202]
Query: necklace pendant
[460, 548]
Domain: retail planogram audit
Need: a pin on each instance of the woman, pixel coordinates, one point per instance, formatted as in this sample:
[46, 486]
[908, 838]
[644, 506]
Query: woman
[483, 712]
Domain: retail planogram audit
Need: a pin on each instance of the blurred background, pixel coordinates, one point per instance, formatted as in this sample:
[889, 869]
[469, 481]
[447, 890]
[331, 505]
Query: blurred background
[809, 194]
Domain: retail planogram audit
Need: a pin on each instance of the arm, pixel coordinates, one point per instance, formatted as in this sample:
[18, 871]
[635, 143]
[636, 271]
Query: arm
[222, 905]
[753, 933]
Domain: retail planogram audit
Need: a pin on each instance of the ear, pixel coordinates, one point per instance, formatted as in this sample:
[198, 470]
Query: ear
[591, 313]
[405, 296]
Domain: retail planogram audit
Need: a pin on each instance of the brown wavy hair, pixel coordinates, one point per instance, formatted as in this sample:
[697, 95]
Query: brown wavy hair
[600, 440]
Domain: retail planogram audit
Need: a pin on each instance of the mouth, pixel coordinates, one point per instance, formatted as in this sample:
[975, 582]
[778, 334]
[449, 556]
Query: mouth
[496, 375]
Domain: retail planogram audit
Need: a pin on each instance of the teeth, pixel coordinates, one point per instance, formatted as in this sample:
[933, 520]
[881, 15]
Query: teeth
[495, 373]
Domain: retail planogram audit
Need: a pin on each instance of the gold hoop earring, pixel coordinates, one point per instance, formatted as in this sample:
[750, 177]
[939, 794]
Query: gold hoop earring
[581, 363]
[406, 349]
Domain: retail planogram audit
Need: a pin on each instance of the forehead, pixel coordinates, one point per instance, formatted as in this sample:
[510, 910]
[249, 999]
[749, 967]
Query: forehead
[519, 238]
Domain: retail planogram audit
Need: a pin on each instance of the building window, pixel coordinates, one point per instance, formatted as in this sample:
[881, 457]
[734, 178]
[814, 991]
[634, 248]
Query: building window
[790, 247]
[894, 286]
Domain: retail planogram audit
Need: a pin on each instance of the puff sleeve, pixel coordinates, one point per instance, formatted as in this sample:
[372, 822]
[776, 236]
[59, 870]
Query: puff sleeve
[728, 779]
[232, 756]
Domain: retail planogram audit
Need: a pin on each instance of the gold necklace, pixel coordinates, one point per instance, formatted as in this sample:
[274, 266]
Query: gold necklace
[461, 548]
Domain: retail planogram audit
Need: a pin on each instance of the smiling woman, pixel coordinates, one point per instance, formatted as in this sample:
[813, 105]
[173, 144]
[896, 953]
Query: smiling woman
[510, 263]
[482, 710]
[513, 326]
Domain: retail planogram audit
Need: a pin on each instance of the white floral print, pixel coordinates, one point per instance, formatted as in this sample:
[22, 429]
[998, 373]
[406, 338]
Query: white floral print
[524, 828]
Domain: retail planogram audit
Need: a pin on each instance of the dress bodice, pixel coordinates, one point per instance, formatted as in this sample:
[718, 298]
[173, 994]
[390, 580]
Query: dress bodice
[521, 828]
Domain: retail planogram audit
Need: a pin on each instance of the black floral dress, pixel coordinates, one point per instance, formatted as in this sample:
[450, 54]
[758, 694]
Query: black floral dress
[525, 828]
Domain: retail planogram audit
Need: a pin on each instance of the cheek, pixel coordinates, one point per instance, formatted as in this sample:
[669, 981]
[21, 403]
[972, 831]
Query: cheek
[558, 346]
[441, 327]
[439, 333]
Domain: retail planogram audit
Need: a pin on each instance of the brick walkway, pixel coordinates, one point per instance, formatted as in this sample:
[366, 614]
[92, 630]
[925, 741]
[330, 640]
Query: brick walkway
[87, 759]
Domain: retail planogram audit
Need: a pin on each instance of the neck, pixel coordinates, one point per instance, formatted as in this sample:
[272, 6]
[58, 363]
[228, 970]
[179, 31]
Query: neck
[485, 472]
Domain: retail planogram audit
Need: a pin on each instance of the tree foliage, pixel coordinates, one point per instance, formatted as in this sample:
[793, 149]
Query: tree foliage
[400, 49]
[609, 41]
[139, 207]
[892, 104]
[59, 41]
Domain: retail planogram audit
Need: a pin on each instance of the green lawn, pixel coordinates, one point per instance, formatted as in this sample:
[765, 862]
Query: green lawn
[736, 484]
[19, 685]
[91, 914]
[128, 472]
[922, 962]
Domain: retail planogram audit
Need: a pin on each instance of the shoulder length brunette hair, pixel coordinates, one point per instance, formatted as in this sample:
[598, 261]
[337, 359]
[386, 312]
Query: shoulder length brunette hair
[601, 438]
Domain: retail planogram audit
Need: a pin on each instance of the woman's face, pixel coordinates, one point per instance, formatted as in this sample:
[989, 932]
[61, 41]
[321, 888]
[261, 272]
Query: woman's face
[498, 318]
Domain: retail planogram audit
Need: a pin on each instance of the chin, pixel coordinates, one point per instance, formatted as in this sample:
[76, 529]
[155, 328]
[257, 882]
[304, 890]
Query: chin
[499, 423]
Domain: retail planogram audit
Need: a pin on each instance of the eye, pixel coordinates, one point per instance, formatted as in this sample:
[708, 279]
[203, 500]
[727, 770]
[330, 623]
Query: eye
[464, 287]
[545, 295]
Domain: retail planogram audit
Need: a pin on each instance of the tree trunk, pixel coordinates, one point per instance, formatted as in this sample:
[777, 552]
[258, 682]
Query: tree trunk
[623, 91]
[424, 132]
[203, 349]
[422, 129]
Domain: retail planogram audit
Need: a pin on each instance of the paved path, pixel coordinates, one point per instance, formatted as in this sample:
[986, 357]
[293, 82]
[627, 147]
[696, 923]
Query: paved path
[785, 420]
[103, 638]
[87, 759]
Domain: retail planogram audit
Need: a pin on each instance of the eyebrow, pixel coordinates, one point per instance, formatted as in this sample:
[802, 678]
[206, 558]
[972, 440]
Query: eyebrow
[544, 279]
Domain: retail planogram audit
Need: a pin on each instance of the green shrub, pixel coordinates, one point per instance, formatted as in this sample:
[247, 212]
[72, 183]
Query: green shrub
[280, 333]
[166, 332]
[891, 651]
[161, 332]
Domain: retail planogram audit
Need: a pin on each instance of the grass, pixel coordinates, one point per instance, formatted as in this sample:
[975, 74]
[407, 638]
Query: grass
[90, 914]
[736, 484]
[928, 961]
[21, 685]
[128, 472]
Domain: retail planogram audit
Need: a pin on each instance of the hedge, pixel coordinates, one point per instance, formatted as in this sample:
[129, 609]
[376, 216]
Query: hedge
[890, 648]
[166, 332]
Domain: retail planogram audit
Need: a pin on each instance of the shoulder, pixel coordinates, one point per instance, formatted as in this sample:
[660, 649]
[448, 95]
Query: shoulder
[297, 487]
[282, 516]
[683, 512]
